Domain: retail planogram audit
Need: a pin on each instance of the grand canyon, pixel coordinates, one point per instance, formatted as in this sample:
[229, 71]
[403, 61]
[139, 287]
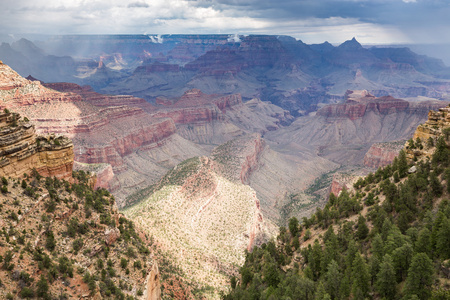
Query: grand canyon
[209, 143]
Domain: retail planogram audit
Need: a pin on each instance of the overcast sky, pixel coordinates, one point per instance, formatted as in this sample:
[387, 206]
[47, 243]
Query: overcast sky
[312, 21]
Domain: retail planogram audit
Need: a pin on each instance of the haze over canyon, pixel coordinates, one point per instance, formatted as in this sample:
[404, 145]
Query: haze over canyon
[209, 143]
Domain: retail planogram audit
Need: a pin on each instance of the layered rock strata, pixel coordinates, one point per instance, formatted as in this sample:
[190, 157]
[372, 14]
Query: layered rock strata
[382, 154]
[438, 124]
[21, 151]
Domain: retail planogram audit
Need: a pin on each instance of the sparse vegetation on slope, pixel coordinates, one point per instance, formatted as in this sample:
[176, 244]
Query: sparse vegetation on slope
[387, 240]
[203, 222]
[62, 240]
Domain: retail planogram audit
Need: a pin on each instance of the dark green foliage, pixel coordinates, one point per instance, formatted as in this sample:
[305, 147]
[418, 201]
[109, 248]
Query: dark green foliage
[50, 205]
[65, 266]
[42, 287]
[27, 292]
[400, 257]
[77, 244]
[50, 242]
[442, 154]
[233, 282]
[293, 226]
[362, 230]
[420, 277]
[123, 263]
[419, 144]
[385, 282]
[402, 164]
[333, 279]
[137, 264]
[443, 239]
[435, 185]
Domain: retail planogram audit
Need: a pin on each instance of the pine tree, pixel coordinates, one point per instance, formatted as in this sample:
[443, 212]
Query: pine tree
[420, 277]
[435, 185]
[401, 258]
[442, 153]
[316, 256]
[50, 242]
[402, 164]
[385, 284]
[443, 239]
[293, 226]
[377, 246]
[321, 293]
[42, 287]
[360, 276]
[423, 243]
[363, 230]
[374, 267]
[333, 280]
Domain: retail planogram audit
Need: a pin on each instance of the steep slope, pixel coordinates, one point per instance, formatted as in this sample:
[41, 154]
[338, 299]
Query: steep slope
[382, 154]
[344, 132]
[103, 128]
[274, 175]
[218, 206]
[290, 73]
[388, 239]
[67, 240]
[204, 222]
[55, 227]
[138, 140]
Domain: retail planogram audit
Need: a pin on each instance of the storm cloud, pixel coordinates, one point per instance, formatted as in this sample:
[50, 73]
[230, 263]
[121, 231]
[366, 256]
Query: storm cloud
[313, 21]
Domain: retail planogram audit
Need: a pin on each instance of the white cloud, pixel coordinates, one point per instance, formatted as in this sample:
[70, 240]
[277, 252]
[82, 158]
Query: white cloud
[410, 1]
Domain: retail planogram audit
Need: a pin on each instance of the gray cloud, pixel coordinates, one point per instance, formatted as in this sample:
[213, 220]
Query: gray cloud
[371, 21]
[138, 4]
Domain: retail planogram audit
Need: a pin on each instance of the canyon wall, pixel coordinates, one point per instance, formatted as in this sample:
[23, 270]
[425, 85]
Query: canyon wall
[382, 154]
[438, 124]
[22, 151]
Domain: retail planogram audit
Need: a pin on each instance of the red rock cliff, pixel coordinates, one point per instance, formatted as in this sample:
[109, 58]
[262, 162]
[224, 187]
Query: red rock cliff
[357, 106]
[382, 154]
[251, 161]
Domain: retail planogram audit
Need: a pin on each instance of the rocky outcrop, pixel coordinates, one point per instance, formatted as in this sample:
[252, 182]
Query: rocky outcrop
[432, 128]
[104, 128]
[382, 154]
[153, 287]
[438, 124]
[111, 235]
[251, 161]
[342, 181]
[21, 150]
[359, 103]
[104, 175]
[195, 107]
